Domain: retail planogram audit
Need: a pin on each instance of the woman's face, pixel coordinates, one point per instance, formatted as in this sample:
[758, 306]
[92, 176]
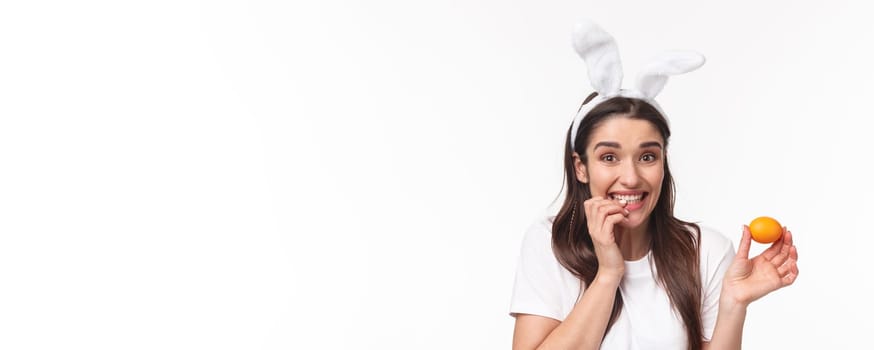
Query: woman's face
[626, 160]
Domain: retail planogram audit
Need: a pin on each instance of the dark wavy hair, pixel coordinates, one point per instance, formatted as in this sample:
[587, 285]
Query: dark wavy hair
[674, 242]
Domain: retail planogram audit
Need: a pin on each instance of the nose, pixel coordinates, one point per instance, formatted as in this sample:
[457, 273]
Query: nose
[629, 175]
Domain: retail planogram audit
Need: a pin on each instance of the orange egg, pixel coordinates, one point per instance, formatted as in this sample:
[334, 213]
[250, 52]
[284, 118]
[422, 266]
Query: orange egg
[765, 229]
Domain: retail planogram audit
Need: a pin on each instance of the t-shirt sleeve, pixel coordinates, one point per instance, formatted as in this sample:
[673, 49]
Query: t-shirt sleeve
[717, 253]
[540, 286]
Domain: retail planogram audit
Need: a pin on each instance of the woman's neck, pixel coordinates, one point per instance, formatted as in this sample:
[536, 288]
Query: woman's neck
[634, 243]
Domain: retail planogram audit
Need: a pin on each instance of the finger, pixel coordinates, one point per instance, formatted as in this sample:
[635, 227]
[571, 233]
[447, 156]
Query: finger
[595, 201]
[587, 208]
[774, 249]
[743, 248]
[785, 250]
[791, 276]
[610, 208]
[614, 218]
[594, 207]
[787, 236]
[789, 279]
[601, 209]
[779, 259]
[788, 239]
[589, 204]
[788, 252]
[793, 253]
[609, 223]
[779, 251]
[787, 268]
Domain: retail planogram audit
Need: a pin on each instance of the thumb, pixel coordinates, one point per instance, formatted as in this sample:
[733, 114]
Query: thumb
[743, 248]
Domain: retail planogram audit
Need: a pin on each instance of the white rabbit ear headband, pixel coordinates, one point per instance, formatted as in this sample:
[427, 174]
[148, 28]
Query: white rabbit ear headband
[598, 49]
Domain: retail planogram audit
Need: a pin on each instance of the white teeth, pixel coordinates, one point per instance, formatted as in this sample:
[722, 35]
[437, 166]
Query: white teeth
[628, 198]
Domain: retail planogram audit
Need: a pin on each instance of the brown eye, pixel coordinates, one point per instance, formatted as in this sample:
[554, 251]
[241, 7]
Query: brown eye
[608, 158]
[649, 157]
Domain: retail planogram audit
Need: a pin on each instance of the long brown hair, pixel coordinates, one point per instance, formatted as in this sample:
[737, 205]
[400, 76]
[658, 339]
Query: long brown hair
[674, 242]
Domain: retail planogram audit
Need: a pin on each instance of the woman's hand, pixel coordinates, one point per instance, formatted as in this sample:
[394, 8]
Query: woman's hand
[747, 279]
[602, 215]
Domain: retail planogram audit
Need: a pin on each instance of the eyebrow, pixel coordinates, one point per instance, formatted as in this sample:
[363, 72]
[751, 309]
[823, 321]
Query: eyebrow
[616, 144]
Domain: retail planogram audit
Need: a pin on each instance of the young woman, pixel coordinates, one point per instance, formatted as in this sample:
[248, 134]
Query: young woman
[615, 269]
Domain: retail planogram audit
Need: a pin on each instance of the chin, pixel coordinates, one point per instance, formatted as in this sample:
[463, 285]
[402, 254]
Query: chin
[630, 224]
[635, 220]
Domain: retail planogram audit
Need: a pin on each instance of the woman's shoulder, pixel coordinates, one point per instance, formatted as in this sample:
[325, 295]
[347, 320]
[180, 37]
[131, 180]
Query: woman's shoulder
[715, 247]
[539, 230]
[544, 222]
[713, 239]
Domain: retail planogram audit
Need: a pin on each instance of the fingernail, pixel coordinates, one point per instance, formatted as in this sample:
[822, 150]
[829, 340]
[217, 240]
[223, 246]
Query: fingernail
[622, 201]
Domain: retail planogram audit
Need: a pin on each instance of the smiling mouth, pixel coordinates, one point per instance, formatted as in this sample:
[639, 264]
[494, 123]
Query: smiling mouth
[629, 198]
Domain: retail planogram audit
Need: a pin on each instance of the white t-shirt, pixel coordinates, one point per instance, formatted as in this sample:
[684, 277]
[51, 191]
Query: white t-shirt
[544, 287]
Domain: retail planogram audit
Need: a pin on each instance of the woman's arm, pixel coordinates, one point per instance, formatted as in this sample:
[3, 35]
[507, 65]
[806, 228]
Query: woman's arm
[585, 325]
[729, 327]
[583, 328]
[746, 281]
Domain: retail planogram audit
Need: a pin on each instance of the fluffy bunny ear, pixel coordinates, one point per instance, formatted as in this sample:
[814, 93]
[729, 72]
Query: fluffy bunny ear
[654, 75]
[601, 54]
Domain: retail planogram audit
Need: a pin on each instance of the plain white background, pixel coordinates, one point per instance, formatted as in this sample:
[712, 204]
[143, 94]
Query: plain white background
[359, 174]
